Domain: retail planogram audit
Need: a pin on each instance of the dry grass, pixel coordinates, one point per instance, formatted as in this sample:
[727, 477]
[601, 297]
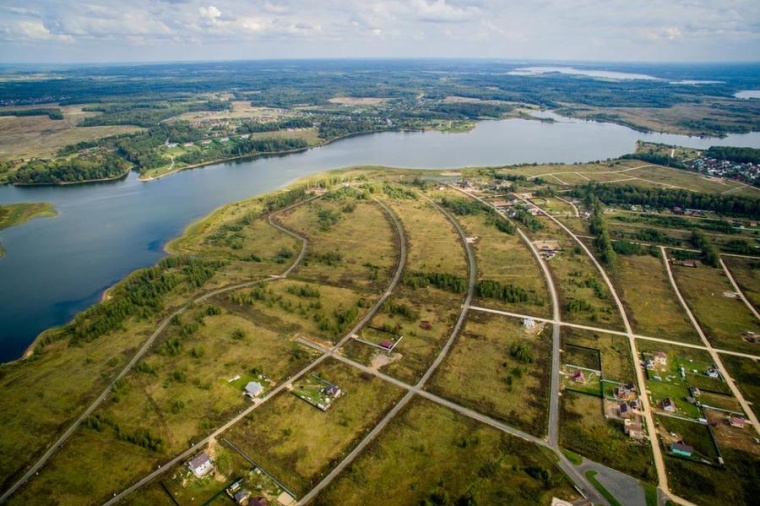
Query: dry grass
[480, 372]
[39, 136]
[428, 449]
[746, 273]
[722, 319]
[299, 444]
[358, 100]
[650, 301]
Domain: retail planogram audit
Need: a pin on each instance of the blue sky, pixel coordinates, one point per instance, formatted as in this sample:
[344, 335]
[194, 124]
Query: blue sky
[167, 30]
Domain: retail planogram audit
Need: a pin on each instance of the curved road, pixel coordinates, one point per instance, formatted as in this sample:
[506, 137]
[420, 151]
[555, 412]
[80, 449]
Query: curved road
[141, 352]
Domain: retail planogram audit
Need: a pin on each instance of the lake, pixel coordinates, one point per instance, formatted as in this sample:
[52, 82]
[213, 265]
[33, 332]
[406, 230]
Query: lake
[54, 268]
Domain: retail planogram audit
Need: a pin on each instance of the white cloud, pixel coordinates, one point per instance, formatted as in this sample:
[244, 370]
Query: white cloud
[442, 12]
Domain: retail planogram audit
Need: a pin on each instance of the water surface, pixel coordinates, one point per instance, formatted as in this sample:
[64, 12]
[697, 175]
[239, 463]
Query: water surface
[54, 267]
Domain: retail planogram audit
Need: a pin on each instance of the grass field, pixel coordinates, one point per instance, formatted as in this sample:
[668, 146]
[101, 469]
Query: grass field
[583, 295]
[746, 373]
[746, 273]
[693, 434]
[39, 136]
[42, 395]
[430, 455]
[489, 370]
[506, 259]
[585, 430]
[75, 475]
[703, 484]
[18, 214]
[649, 300]
[351, 243]
[722, 319]
[615, 352]
[297, 443]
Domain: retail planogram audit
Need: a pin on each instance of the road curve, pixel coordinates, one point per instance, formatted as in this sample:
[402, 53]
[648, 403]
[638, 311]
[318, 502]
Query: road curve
[140, 353]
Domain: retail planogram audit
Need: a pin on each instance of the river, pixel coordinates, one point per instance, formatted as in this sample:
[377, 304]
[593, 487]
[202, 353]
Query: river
[54, 268]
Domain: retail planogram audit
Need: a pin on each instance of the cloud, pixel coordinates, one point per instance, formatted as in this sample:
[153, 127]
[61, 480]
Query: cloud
[518, 29]
[438, 11]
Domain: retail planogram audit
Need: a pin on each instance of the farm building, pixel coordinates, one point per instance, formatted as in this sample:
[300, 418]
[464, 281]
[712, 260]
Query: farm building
[682, 449]
[625, 410]
[200, 465]
[253, 389]
[624, 392]
[713, 373]
[668, 404]
[633, 430]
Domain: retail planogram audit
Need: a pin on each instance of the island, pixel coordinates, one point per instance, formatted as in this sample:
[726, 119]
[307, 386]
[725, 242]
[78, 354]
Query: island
[527, 331]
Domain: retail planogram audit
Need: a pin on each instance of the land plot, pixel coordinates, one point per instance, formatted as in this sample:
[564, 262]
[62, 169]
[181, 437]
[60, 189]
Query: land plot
[293, 307]
[723, 319]
[429, 453]
[553, 205]
[351, 243]
[705, 484]
[614, 351]
[506, 260]
[185, 488]
[746, 273]
[297, 443]
[188, 385]
[76, 475]
[584, 429]
[746, 373]
[694, 434]
[584, 296]
[38, 401]
[676, 178]
[586, 169]
[649, 299]
[434, 314]
[499, 369]
[671, 371]
[728, 436]
[431, 238]
[152, 494]
[577, 225]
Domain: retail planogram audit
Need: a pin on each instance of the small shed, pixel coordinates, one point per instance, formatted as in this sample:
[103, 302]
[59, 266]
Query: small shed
[736, 421]
[253, 389]
[579, 377]
[668, 404]
[682, 449]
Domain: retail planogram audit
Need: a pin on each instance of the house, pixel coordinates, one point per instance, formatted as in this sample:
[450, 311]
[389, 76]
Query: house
[713, 373]
[333, 391]
[285, 499]
[241, 496]
[529, 323]
[681, 449]
[694, 392]
[624, 392]
[579, 377]
[200, 465]
[633, 430]
[737, 422]
[258, 501]
[668, 404]
[625, 410]
[387, 345]
[660, 359]
[253, 389]
[690, 263]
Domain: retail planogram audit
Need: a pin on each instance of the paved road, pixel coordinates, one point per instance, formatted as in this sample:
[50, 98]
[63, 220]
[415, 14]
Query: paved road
[713, 353]
[627, 490]
[327, 353]
[739, 290]
[659, 462]
[140, 353]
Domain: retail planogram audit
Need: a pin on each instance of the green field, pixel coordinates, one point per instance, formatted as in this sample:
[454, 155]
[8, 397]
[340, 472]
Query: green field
[723, 319]
[297, 443]
[429, 453]
[746, 373]
[18, 214]
[497, 368]
[585, 430]
[615, 352]
[652, 307]
[746, 273]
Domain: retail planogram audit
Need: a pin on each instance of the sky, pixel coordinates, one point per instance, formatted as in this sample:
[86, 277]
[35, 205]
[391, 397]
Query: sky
[71, 31]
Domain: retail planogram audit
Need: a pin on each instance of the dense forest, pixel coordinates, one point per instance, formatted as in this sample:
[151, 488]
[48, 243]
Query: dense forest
[660, 198]
[732, 154]
[86, 167]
